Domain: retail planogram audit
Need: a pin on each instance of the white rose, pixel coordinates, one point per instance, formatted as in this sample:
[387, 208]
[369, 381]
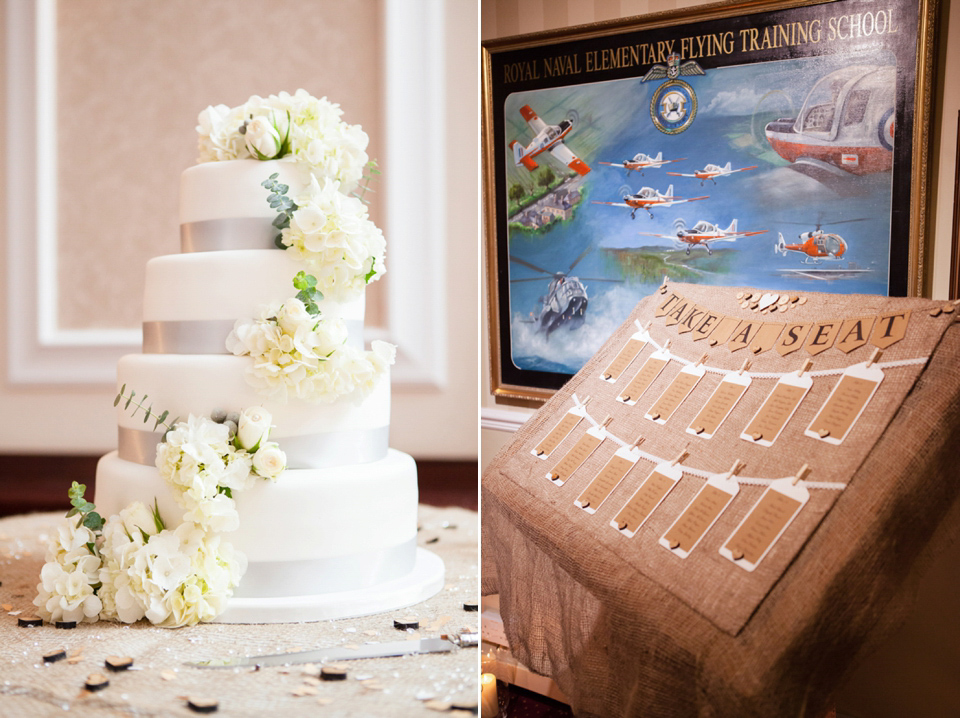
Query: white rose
[262, 139]
[136, 517]
[254, 427]
[270, 461]
[293, 316]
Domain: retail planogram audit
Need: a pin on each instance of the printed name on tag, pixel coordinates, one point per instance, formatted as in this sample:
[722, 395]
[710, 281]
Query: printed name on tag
[579, 453]
[647, 498]
[701, 514]
[766, 522]
[644, 377]
[624, 357]
[681, 386]
[559, 432]
[719, 405]
[607, 480]
[846, 403]
[779, 407]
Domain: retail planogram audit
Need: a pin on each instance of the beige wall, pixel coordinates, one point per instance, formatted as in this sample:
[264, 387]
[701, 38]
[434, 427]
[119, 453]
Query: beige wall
[131, 79]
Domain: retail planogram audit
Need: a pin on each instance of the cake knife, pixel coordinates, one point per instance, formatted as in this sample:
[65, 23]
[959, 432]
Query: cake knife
[339, 653]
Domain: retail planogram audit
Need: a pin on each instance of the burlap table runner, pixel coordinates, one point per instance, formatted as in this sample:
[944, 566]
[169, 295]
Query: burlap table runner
[401, 686]
[623, 625]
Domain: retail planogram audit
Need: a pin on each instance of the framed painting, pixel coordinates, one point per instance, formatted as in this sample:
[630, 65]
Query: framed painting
[774, 144]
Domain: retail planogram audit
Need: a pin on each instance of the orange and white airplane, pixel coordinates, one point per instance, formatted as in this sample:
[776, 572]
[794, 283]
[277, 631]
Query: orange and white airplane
[641, 162]
[702, 234]
[711, 172]
[647, 198]
[547, 138]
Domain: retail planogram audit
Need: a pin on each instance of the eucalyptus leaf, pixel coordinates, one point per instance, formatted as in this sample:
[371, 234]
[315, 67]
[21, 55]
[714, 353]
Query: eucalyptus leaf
[158, 522]
[93, 521]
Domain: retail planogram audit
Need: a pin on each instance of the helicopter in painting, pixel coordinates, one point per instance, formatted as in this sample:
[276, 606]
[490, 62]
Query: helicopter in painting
[816, 245]
[565, 303]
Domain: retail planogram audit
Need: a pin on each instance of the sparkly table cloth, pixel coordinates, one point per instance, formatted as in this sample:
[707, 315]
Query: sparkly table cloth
[159, 683]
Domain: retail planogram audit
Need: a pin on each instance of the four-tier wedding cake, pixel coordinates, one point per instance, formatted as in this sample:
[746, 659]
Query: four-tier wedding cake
[253, 480]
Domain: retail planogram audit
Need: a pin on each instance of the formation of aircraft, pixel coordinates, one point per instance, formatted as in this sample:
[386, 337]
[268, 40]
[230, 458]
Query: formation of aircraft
[547, 138]
[648, 198]
[641, 162]
[815, 138]
[711, 172]
[703, 234]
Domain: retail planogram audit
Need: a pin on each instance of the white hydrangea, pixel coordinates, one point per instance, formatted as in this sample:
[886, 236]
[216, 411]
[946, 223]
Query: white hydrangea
[174, 578]
[296, 354]
[197, 461]
[66, 590]
[333, 235]
[123, 535]
[316, 135]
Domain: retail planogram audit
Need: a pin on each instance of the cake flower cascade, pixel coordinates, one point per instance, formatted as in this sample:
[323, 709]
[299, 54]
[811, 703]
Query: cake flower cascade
[130, 566]
[299, 126]
[297, 352]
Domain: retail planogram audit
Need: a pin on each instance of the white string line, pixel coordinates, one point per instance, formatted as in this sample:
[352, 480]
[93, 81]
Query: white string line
[753, 481]
[777, 375]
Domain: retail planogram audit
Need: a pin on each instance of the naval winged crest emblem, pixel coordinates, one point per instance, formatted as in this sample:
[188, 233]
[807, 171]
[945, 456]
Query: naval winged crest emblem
[673, 69]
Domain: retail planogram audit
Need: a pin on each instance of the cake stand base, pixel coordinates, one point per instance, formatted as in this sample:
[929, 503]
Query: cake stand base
[424, 581]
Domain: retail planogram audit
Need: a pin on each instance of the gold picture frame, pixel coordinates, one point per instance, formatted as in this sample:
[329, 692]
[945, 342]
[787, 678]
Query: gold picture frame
[593, 66]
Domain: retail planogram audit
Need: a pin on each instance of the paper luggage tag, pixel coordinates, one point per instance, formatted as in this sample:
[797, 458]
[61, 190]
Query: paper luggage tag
[560, 432]
[846, 403]
[681, 386]
[578, 453]
[647, 498]
[720, 404]
[610, 476]
[779, 407]
[766, 522]
[700, 514]
[626, 355]
[644, 377]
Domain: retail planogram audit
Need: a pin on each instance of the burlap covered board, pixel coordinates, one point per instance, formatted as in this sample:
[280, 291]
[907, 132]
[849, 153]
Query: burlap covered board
[628, 627]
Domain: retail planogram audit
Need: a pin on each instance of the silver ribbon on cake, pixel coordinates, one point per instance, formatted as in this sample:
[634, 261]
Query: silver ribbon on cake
[311, 451]
[269, 579]
[214, 235]
[209, 336]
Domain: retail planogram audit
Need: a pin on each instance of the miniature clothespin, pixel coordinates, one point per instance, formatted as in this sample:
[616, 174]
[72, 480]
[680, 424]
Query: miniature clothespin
[636, 444]
[666, 345]
[681, 456]
[701, 360]
[736, 468]
[744, 366]
[585, 400]
[805, 368]
[603, 424]
[800, 475]
[875, 357]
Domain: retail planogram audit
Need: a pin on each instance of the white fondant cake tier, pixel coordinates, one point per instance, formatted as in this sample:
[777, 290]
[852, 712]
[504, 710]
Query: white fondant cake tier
[312, 435]
[222, 190]
[230, 284]
[312, 532]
